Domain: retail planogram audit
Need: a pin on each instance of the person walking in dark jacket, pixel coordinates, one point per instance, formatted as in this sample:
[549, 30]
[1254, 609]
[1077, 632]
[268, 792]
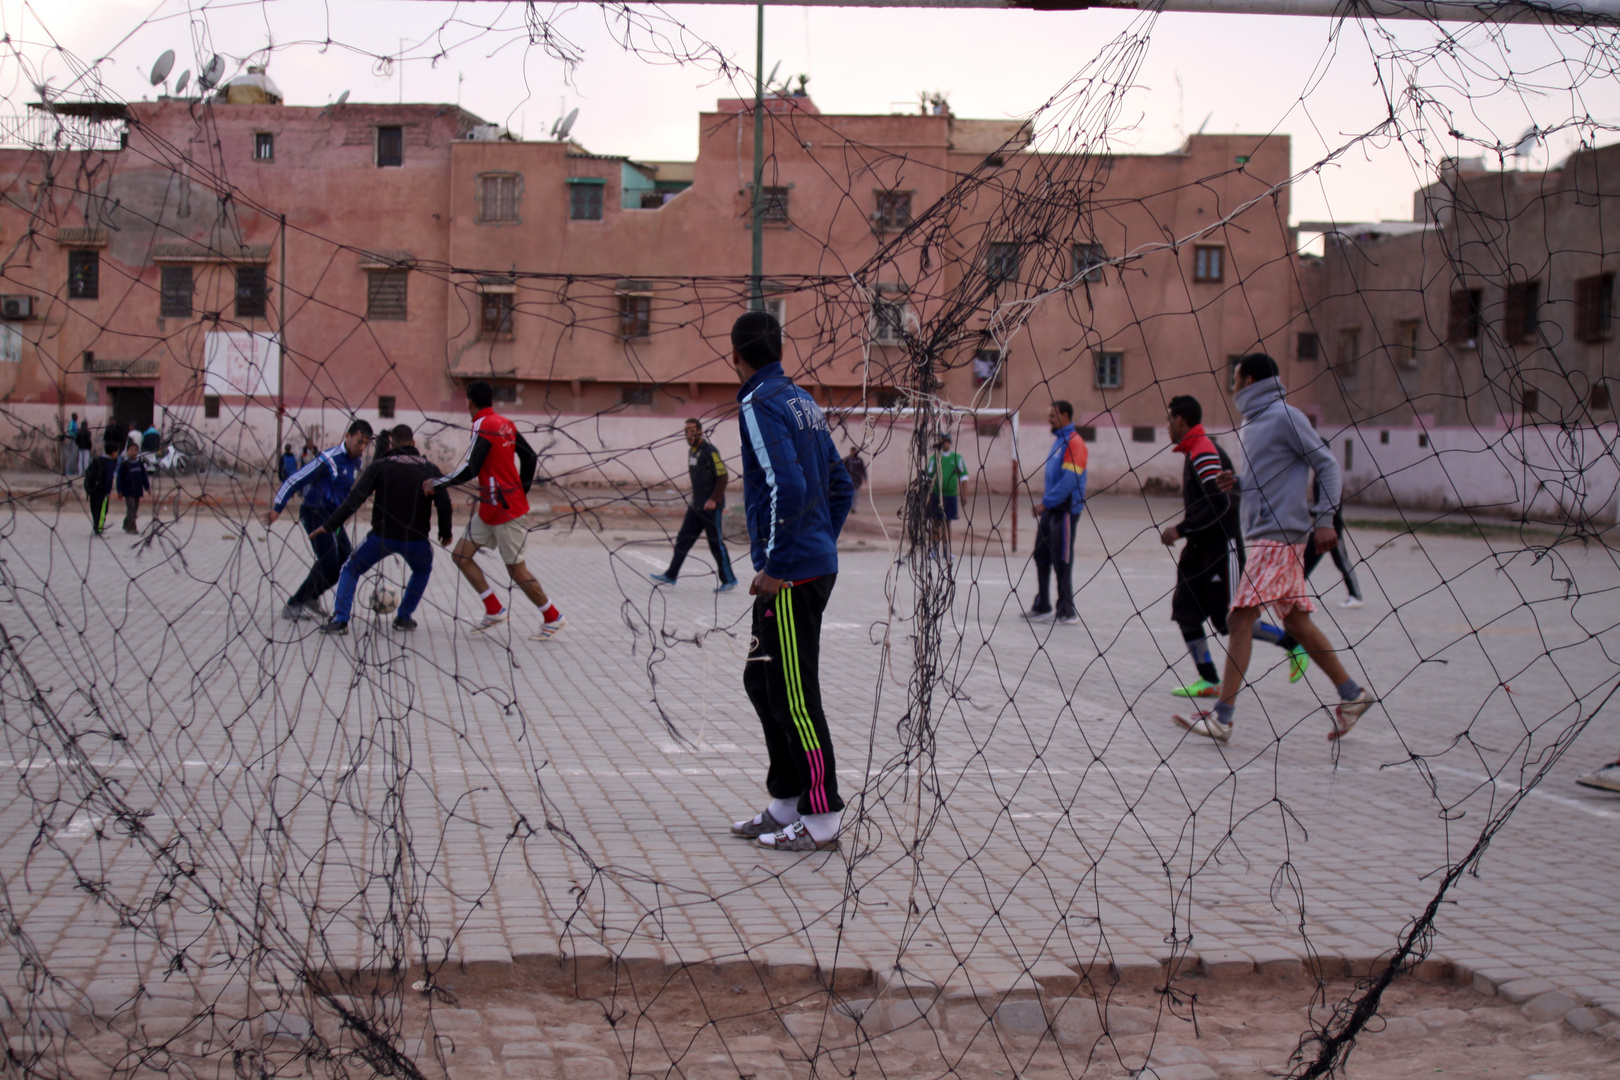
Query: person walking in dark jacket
[797, 494]
[81, 443]
[325, 482]
[1213, 557]
[1340, 560]
[131, 482]
[399, 526]
[98, 485]
[707, 474]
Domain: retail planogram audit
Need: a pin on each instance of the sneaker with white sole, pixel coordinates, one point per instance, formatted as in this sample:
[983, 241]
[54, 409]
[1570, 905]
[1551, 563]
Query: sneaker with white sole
[1605, 779]
[491, 621]
[549, 630]
[1205, 723]
[796, 838]
[1351, 602]
[761, 824]
[1036, 614]
[1070, 619]
[1348, 712]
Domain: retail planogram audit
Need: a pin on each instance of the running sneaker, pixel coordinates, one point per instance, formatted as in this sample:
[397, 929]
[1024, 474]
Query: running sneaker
[662, 579]
[1605, 779]
[489, 621]
[1351, 602]
[1202, 688]
[1299, 662]
[725, 586]
[1036, 614]
[334, 627]
[1348, 712]
[1070, 619]
[404, 624]
[549, 630]
[796, 838]
[1205, 723]
[294, 613]
[759, 825]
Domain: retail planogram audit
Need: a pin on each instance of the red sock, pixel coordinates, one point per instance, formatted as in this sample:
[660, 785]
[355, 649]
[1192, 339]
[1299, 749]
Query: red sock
[492, 606]
[551, 613]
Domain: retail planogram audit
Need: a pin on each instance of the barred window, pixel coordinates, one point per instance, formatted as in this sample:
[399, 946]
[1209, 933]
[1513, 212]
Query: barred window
[774, 205]
[497, 198]
[385, 406]
[385, 294]
[264, 146]
[210, 406]
[635, 315]
[585, 202]
[1001, 261]
[1209, 262]
[1088, 261]
[175, 302]
[1110, 370]
[390, 147]
[495, 316]
[893, 211]
[84, 274]
[250, 292]
[888, 322]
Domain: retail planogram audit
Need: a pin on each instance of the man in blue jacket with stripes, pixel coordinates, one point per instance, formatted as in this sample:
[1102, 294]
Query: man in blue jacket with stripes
[797, 494]
[326, 481]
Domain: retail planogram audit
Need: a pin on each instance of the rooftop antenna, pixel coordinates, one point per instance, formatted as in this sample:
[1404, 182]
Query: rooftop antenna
[343, 97]
[180, 83]
[164, 65]
[567, 125]
[1205, 124]
[771, 78]
[211, 74]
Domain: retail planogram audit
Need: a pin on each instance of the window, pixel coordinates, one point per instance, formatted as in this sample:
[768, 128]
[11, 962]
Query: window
[385, 294]
[1462, 328]
[1001, 261]
[1088, 434]
[1308, 347]
[506, 392]
[1347, 360]
[264, 146]
[635, 395]
[250, 292]
[84, 275]
[1142, 434]
[495, 316]
[1209, 262]
[1598, 400]
[210, 406]
[987, 367]
[773, 205]
[888, 322]
[1404, 348]
[385, 407]
[1530, 402]
[89, 360]
[777, 306]
[635, 315]
[1088, 261]
[1349, 455]
[175, 302]
[585, 200]
[1423, 441]
[1520, 304]
[893, 211]
[497, 198]
[1383, 438]
[1110, 370]
[1594, 307]
[390, 147]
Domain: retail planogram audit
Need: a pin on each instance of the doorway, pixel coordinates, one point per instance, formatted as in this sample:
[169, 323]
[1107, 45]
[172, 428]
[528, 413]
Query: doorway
[132, 407]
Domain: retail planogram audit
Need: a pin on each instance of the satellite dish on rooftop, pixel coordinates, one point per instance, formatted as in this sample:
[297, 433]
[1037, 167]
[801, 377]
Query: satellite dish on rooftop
[211, 74]
[343, 97]
[164, 65]
[180, 83]
[1527, 142]
[567, 125]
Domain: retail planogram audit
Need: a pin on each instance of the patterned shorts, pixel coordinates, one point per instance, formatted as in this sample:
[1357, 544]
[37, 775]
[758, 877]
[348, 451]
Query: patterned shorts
[1274, 575]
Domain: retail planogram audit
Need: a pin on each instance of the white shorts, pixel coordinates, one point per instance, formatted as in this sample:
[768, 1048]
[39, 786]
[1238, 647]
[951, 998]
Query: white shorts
[509, 537]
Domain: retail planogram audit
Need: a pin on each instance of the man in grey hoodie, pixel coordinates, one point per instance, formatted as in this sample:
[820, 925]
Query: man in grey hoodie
[1280, 451]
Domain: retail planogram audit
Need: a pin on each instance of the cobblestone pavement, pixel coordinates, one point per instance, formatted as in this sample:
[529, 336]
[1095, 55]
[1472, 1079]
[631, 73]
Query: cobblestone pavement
[202, 790]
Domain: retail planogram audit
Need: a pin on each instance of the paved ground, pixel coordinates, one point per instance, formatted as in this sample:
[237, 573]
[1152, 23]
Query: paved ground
[204, 792]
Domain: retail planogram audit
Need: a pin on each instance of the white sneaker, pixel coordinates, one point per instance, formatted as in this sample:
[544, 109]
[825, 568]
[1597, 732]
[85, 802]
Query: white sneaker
[489, 621]
[549, 630]
[1348, 712]
[1351, 602]
[1605, 779]
[1206, 724]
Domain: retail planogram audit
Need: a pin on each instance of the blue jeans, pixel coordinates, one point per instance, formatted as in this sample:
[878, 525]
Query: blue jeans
[331, 551]
[418, 555]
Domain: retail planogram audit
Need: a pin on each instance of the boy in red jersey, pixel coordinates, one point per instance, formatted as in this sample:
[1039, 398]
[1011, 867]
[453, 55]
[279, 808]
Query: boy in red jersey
[504, 464]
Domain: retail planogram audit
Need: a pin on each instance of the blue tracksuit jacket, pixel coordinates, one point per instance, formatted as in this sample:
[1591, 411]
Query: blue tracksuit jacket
[326, 481]
[795, 486]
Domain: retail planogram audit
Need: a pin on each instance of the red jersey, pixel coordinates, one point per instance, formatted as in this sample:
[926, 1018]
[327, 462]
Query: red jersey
[501, 495]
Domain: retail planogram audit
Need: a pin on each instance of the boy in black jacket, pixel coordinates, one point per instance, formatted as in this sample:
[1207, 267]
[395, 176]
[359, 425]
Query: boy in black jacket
[131, 481]
[399, 526]
[98, 484]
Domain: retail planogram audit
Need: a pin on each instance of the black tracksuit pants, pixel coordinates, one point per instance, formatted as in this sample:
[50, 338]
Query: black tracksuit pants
[1054, 547]
[701, 523]
[783, 680]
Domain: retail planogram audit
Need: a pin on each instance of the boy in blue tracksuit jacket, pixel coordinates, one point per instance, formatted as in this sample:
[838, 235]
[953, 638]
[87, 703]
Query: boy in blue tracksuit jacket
[797, 494]
[130, 481]
[326, 481]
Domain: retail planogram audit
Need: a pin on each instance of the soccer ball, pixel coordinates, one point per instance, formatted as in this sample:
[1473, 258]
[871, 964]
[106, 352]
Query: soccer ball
[384, 600]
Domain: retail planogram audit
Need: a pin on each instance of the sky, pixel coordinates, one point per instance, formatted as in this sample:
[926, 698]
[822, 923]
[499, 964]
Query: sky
[1321, 82]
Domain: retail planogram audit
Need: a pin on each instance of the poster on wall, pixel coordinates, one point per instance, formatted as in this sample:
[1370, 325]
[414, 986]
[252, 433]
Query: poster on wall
[11, 343]
[242, 364]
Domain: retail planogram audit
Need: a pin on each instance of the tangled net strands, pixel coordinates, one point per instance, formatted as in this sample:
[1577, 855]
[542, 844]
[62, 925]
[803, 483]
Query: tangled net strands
[235, 830]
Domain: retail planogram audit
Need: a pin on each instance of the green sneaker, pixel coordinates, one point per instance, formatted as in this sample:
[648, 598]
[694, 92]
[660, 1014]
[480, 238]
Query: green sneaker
[1299, 661]
[1201, 688]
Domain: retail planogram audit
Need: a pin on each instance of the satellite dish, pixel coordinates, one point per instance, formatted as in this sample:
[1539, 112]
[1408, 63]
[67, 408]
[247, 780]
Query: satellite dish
[180, 83]
[343, 97]
[164, 65]
[1527, 141]
[567, 125]
[211, 74]
[771, 78]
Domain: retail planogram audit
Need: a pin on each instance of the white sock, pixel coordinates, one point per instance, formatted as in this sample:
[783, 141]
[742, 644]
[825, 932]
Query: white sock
[785, 810]
[487, 593]
[822, 826]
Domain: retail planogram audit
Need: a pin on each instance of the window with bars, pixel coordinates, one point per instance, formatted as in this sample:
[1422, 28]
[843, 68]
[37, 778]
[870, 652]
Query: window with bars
[264, 146]
[1088, 261]
[1209, 262]
[1110, 370]
[888, 322]
[1463, 323]
[495, 316]
[635, 395]
[635, 315]
[175, 302]
[893, 211]
[773, 205]
[385, 406]
[497, 197]
[1521, 303]
[84, 275]
[1001, 261]
[210, 406]
[1594, 307]
[250, 292]
[385, 294]
[390, 147]
[585, 202]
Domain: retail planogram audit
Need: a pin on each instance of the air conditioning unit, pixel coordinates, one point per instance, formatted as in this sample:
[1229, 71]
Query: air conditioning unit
[16, 307]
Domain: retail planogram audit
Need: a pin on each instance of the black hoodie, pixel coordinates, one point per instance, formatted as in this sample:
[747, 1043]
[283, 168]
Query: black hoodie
[400, 511]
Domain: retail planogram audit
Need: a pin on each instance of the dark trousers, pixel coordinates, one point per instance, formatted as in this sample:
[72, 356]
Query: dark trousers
[131, 507]
[701, 523]
[1312, 557]
[332, 550]
[418, 555]
[98, 513]
[783, 680]
[1054, 547]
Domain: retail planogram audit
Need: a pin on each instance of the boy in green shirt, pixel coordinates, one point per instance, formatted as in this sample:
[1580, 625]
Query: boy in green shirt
[946, 470]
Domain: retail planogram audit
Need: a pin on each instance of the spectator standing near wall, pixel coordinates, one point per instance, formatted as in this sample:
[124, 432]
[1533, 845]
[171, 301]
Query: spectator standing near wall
[1058, 516]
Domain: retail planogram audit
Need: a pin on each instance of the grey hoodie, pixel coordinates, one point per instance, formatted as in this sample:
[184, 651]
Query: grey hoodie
[1280, 450]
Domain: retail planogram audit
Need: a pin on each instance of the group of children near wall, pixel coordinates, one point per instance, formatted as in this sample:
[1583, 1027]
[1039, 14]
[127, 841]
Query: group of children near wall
[117, 471]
